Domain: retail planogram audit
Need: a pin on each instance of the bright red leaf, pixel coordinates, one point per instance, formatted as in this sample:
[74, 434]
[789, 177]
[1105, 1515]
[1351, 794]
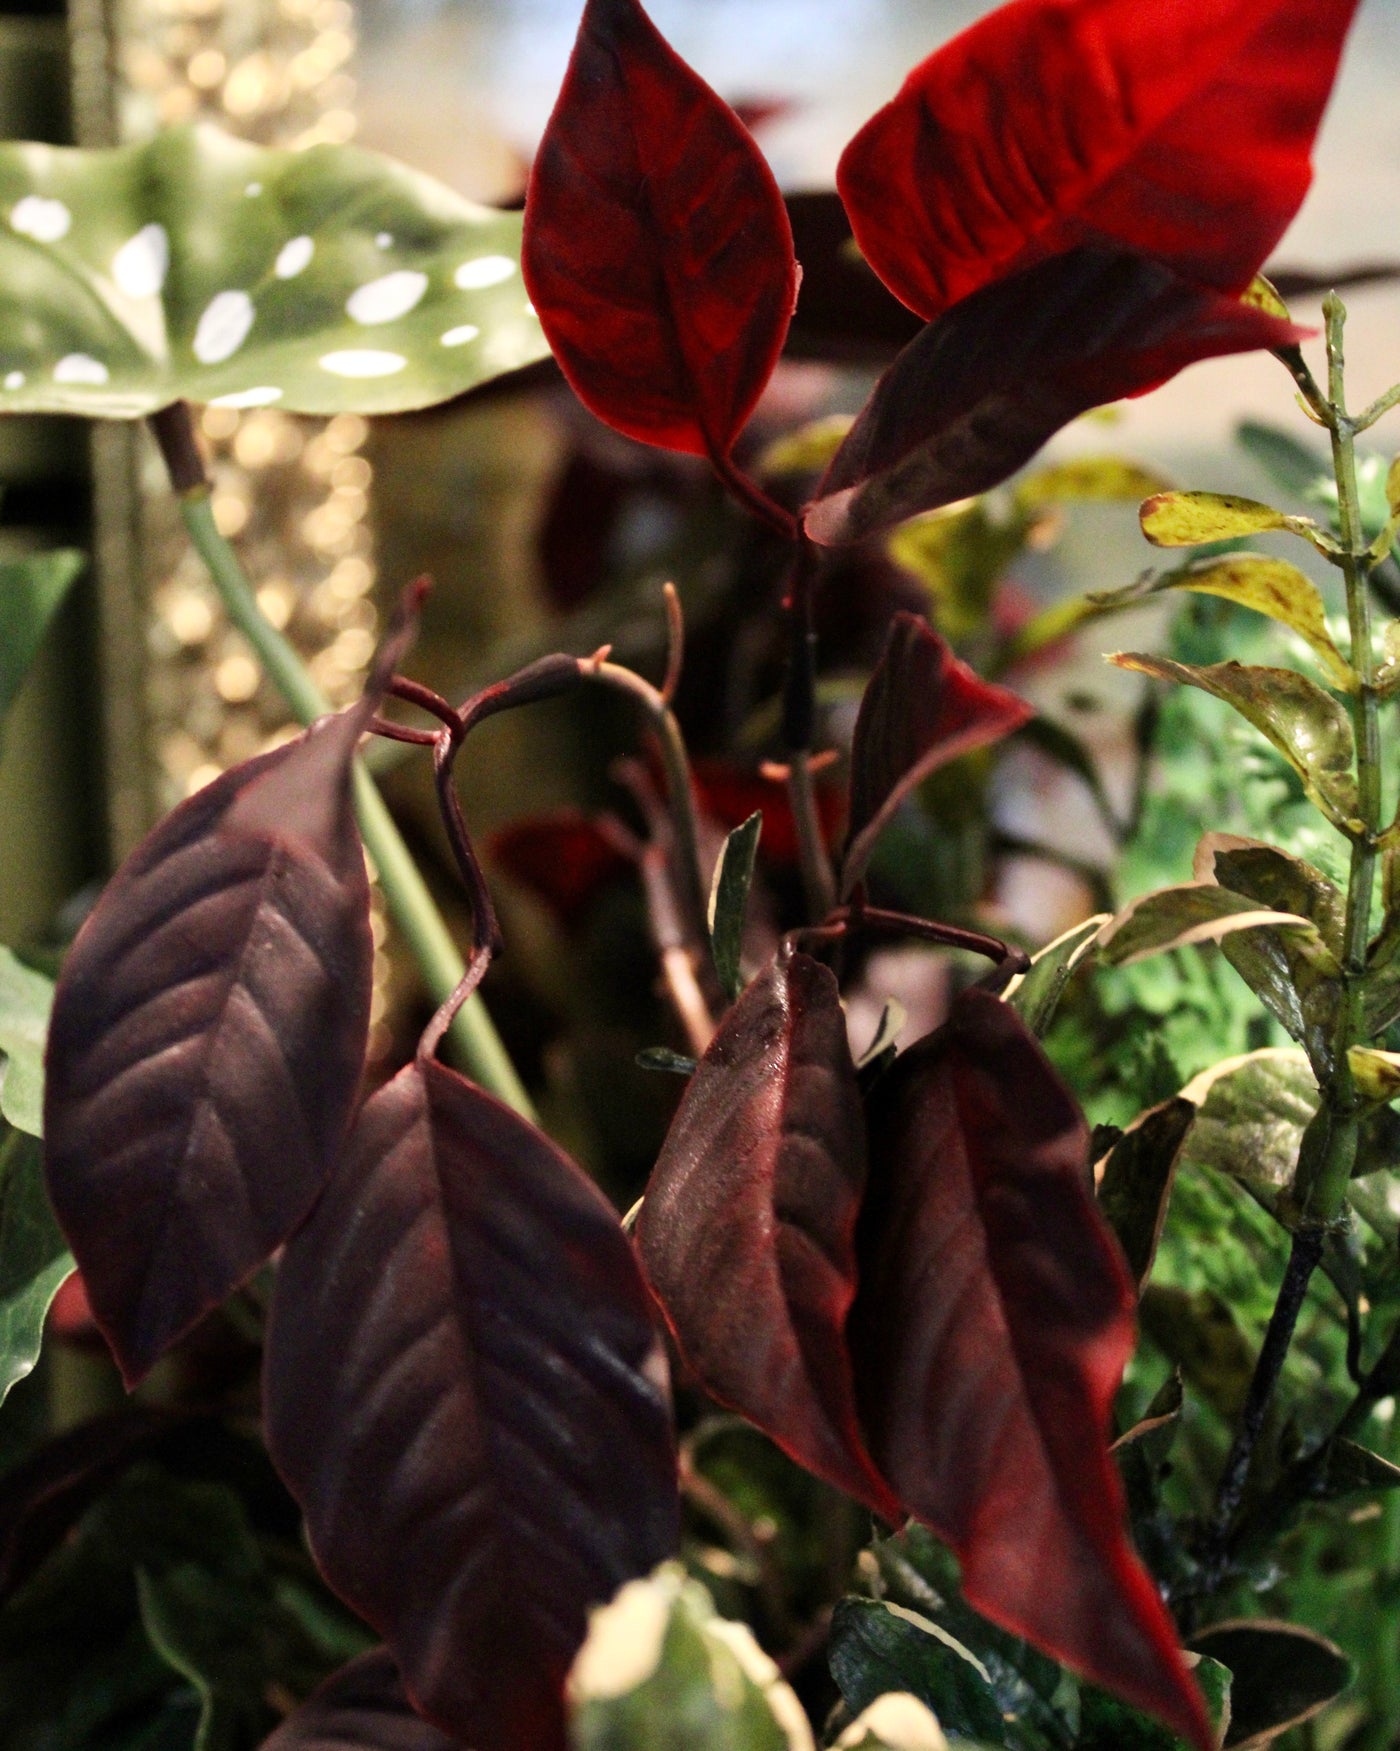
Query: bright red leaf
[747, 1232]
[922, 708]
[994, 1319]
[657, 248]
[1182, 129]
[466, 1394]
[984, 386]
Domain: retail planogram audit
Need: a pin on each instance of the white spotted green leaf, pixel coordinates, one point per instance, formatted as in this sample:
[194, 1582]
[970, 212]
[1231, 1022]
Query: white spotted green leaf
[199, 268]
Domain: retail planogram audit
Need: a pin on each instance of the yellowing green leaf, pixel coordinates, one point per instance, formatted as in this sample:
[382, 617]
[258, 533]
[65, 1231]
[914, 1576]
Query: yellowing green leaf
[1184, 519]
[1392, 488]
[1262, 294]
[959, 555]
[1376, 1073]
[1088, 479]
[1307, 725]
[1251, 1115]
[808, 449]
[202, 268]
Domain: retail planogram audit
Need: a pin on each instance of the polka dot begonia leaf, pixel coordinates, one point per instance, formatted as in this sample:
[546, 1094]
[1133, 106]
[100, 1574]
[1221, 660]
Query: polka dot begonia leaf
[199, 268]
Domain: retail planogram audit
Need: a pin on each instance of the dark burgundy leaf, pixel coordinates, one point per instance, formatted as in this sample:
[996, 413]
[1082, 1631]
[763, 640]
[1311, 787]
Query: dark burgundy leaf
[360, 1708]
[465, 1392]
[657, 248]
[747, 1232]
[921, 708]
[1280, 1675]
[1182, 130]
[207, 1039]
[982, 388]
[994, 1319]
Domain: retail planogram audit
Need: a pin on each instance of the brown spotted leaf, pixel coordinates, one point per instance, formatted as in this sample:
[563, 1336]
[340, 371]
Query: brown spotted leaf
[747, 1233]
[462, 1371]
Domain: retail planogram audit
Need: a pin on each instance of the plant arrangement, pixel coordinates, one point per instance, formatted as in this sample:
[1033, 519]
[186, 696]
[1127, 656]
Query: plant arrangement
[912, 1283]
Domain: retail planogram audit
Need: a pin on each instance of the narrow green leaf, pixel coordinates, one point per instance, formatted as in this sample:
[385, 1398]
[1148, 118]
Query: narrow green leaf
[1307, 725]
[202, 268]
[1253, 580]
[199, 1626]
[660, 1668]
[1186, 519]
[876, 1648]
[729, 899]
[1135, 1183]
[34, 1256]
[1190, 913]
[26, 997]
[1087, 480]
[31, 592]
[1392, 487]
[1035, 994]
[663, 1058]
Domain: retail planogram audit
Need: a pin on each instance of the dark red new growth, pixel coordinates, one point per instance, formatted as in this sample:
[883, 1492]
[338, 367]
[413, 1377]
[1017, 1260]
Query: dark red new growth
[657, 248]
[984, 386]
[747, 1232]
[1182, 129]
[921, 708]
[466, 1394]
[994, 1320]
[207, 1040]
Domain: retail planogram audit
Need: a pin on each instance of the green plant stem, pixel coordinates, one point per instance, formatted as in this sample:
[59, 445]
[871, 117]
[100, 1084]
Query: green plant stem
[1380, 406]
[475, 1042]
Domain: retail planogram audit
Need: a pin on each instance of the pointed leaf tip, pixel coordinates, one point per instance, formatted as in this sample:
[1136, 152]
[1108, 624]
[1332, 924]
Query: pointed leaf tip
[658, 252]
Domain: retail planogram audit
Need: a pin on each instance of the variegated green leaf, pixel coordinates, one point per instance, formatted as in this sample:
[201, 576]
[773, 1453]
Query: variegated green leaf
[1176, 917]
[1035, 994]
[34, 1257]
[200, 268]
[1189, 519]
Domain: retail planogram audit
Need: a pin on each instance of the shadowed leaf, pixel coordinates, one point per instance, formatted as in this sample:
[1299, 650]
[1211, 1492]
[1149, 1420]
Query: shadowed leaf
[1183, 131]
[360, 1708]
[1308, 726]
[26, 999]
[1136, 1181]
[1197, 1333]
[1289, 464]
[1251, 1115]
[983, 387]
[1349, 1470]
[462, 1369]
[1035, 994]
[994, 1319]
[657, 248]
[1141, 1452]
[1280, 1675]
[1253, 580]
[199, 268]
[922, 708]
[747, 1235]
[34, 1258]
[876, 1648]
[1274, 878]
[207, 1040]
[32, 590]
[1188, 913]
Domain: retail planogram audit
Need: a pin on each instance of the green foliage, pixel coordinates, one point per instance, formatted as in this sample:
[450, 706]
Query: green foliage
[31, 592]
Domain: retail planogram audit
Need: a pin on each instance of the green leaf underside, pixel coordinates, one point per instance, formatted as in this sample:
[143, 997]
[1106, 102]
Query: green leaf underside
[729, 900]
[1191, 913]
[201, 268]
[26, 998]
[34, 1257]
[31, 591]
[1252, 580]
[1307, 725]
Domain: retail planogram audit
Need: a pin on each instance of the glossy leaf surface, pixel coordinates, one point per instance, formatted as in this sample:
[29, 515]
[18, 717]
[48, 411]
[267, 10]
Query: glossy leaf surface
[747, 1234]
[1268, 586]
[207, 1040]
[462, 1369]
[1308, 727]
[1183, 130]
[661, 1668]
[729, 900]
[199, 268]
[922, 708]
[657, 248]
[31, 592]
[994, 1320]
[34, 1257]
[26, 999]
[360, 1708]
[877, 1647]
[984, 386]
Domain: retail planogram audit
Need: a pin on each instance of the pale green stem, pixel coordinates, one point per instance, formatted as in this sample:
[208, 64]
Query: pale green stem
[474, 1042]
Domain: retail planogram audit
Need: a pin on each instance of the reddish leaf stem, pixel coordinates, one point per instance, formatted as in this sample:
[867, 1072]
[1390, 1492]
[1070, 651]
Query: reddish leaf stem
[799, 725]
[848, 920]
[753, 498]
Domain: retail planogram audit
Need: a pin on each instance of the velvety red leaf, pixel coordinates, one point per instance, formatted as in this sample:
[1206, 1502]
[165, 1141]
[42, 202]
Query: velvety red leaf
[922, 707]
[360, 1708]
[465, 1393]
[1182, 129]
[994, 1319]
[207, 1040]
[747, 1232]
[657, 248]
[564, 859]
[982, 388]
